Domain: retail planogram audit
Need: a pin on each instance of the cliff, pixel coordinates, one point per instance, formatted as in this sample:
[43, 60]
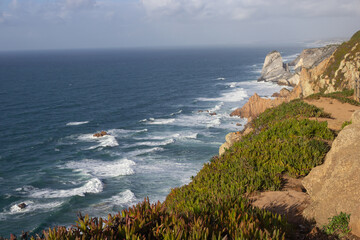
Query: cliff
[335, 73]
[312, 57]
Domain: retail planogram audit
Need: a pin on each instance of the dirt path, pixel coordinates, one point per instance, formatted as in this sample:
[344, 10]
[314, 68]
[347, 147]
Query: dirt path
[339, 111]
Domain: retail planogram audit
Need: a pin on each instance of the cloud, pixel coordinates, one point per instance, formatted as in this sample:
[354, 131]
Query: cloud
[246, 9]
[78, 4]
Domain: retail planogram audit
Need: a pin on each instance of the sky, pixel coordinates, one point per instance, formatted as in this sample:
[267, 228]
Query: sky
[72, 24]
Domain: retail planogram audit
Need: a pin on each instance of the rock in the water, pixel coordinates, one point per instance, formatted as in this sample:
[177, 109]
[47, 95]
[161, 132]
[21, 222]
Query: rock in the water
[212, 114]
[100, 134]
[22, 205]
[334, 186]
[274, 70]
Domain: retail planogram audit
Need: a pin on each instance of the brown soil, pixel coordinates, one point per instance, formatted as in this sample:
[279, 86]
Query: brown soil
[340, 112]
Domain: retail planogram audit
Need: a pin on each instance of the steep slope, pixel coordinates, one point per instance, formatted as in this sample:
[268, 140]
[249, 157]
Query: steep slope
[335, 73]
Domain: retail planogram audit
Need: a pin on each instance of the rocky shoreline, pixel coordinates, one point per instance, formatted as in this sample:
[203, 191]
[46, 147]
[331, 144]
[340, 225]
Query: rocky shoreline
[331, 188]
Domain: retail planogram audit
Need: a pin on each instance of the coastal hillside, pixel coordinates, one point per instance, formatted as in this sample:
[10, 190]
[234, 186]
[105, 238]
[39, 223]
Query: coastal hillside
[290, 165]
[336, 73]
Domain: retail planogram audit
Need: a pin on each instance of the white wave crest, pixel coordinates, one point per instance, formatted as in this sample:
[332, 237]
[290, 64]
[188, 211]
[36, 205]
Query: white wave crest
[32, 206]
[94, 185]
[76, 123]
[175, 113]
[103, 169]
[138, 152]
[124, 132]
[122, 198]
[151, 143]
[221, 78]
[104, 141]
[161, 121]
[232, 96]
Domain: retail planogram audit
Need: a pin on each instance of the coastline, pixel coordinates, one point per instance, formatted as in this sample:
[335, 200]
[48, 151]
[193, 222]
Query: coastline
[291, 125]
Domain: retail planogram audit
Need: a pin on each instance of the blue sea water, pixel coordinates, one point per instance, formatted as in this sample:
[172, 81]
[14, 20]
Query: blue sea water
[155, 105]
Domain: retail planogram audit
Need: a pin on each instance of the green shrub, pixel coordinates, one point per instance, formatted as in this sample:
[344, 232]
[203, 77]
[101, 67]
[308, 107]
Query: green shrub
[338, 225]
[294, 109]
[345, 124]
[342, 96]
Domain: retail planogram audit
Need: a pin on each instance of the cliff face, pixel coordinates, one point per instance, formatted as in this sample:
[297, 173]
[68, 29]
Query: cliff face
[335, 73]
[312, 57]
[274, 70]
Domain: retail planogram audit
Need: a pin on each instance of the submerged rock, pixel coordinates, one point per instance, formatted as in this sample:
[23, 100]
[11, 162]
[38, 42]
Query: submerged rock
[100, 134]
[334, 186]
[22, 205]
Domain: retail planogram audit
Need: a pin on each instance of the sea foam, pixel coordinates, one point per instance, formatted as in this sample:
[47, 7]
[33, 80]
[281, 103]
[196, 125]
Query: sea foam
[31, 206]
[231, 96]
[103, 169]
[104, 141]
[161, 121]
[76, 123]
[94, 185]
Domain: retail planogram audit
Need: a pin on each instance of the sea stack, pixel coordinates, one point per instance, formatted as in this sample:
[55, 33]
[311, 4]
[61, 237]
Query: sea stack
[274, 70]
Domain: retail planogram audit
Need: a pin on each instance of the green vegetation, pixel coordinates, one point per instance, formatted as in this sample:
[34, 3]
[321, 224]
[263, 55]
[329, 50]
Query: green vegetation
[294, 109]
[338, 225]
[344, 49]
[345, 124]
[344, 96]
[215, 205]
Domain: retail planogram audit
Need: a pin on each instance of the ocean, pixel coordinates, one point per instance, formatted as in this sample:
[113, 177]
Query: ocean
[154, 103]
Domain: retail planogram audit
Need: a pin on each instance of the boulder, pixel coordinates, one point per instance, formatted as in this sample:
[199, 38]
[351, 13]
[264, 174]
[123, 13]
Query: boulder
[212, 114]
[334, 186]
[274, 70]
[355, 118]
[100, 134]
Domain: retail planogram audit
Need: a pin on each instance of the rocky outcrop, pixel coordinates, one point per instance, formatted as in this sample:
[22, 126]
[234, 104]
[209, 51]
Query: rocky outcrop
[274, 70]
[233, 137]
[311, 57]
[256, 104]
[284, 92]
[334, 186]
[335, 73]
[100, 134]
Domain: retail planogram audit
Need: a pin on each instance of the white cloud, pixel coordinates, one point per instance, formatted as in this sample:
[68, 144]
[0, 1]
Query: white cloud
[244, 9]
[78, 4]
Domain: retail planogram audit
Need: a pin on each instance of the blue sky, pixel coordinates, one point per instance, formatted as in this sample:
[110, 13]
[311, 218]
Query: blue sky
[67, 24]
